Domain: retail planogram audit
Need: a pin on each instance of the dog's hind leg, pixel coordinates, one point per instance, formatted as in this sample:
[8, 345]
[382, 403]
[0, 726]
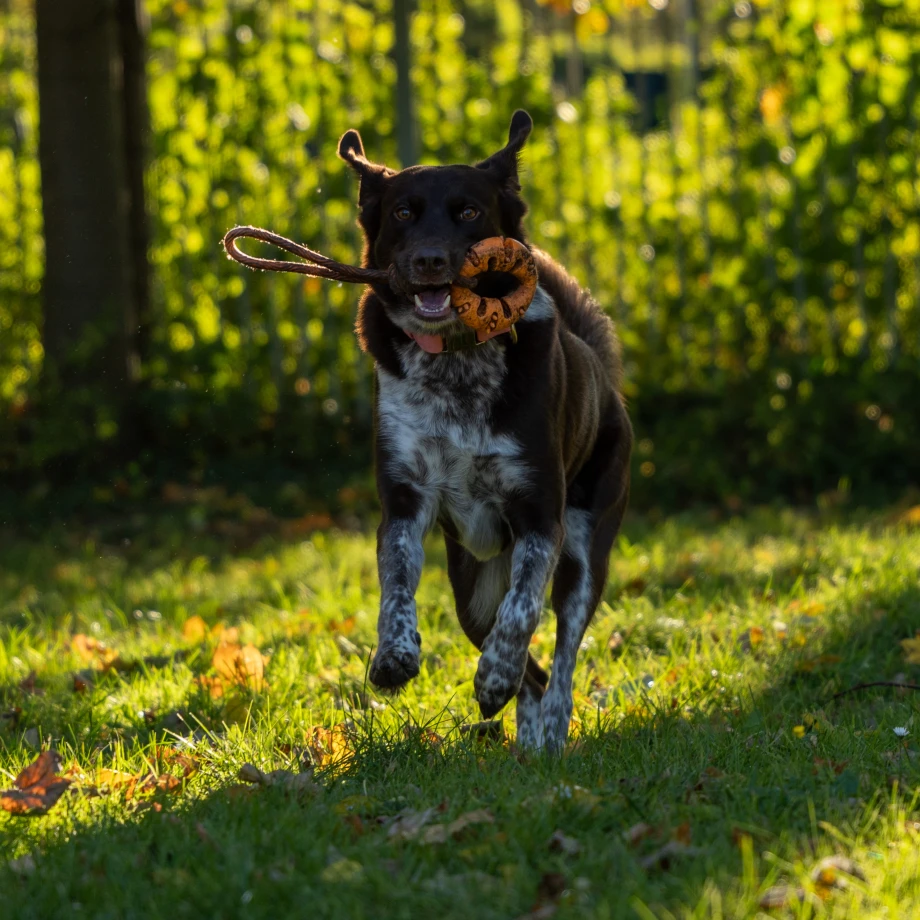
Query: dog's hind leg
[505, 651]
[479, 588]
[582, 573]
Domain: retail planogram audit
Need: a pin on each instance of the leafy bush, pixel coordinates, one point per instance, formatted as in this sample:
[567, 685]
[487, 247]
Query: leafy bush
[759, 246]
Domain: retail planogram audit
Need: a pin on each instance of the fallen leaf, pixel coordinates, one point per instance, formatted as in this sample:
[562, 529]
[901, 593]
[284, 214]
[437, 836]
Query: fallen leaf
[810, 664]
[637, 833]
[82, 681]
[550, 887]
[912, 649]
[682, 833]
[831, 872]
[114, 779]
[212, 686]
[93, 652]
[910, 517]
[38, 787]
[238, 665]
[328, 745]
[283, 779]
[342, 871]
[343, 627]
[408, 825]
[27, 685]
[781, 896]
[194, 629]
[441, 833]
[560, 843]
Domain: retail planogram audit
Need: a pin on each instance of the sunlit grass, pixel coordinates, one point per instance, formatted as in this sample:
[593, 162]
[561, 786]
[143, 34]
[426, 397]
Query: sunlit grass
[703, 704]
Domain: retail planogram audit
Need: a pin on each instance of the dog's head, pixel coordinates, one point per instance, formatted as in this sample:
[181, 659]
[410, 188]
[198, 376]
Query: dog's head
[423, 220]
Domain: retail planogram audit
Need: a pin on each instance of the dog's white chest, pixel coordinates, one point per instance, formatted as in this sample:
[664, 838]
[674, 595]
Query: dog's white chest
[437, 438]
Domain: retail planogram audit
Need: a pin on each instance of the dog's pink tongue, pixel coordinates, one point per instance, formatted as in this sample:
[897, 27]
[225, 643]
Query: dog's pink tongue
[433, 344]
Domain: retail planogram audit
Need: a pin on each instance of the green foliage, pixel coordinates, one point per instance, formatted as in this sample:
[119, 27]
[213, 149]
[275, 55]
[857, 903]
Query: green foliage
[759, 248]
[708, 718]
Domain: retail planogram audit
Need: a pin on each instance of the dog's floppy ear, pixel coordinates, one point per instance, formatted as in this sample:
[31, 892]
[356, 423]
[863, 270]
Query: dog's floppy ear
[504, 164]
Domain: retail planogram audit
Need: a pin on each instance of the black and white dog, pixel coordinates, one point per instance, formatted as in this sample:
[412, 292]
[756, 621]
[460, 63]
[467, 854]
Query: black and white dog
[518, 449]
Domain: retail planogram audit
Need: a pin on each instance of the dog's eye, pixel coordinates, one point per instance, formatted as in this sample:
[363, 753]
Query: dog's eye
[469, 213]
[402, 213]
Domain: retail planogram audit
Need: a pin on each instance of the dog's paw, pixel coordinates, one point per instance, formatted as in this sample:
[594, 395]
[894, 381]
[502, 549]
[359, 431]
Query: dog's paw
[556, 716]
[498, 677]
[393, 667]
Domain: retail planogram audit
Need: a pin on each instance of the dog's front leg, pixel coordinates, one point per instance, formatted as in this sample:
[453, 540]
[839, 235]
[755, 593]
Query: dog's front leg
[504, 652]
[399, 564]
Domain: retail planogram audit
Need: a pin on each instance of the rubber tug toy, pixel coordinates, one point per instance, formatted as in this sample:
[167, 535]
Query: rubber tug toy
[489, 316]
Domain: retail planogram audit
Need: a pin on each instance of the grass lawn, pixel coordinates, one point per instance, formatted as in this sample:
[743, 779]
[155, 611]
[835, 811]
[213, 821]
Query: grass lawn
[709, 775]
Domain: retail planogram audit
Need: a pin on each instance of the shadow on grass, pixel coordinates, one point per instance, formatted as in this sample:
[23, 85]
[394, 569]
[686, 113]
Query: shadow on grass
[722, 766]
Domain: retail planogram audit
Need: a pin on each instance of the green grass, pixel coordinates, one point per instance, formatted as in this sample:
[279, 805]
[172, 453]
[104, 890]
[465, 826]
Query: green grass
[688, 725]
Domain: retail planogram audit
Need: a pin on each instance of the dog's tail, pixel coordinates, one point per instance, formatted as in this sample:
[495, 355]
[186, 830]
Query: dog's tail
[535, 675]
[580, 312]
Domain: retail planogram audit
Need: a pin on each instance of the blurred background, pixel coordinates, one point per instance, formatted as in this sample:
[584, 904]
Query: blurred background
[737, 182]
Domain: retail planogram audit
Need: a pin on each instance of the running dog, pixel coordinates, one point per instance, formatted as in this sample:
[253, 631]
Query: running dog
[517, 446]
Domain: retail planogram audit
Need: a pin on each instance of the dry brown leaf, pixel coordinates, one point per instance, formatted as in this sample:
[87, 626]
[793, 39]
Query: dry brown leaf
[328, 745]
[407, 825]
[243, 666]
[831, 872]
[27, 685]
[441, 833]
[284, 779]
[637, 833]
[38, 787]
[114, 779]
[194, 629]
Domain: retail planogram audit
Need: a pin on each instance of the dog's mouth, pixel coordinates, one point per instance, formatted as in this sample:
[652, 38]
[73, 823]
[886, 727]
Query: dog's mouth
[432, 304]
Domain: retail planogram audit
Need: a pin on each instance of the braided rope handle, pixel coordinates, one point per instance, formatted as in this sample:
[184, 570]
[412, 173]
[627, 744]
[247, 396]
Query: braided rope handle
[316, 265]
[321, 267]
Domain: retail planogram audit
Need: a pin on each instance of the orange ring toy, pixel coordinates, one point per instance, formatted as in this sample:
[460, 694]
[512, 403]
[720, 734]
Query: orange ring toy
[495, 314]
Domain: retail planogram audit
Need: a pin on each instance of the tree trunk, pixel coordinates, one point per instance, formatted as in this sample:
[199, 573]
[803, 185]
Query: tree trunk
[92, 198]
[405, 115]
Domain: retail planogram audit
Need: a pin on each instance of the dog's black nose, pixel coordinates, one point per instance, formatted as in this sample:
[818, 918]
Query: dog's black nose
[429, 261]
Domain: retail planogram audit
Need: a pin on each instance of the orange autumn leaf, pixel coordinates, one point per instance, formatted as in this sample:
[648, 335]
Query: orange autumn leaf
[194, 629]
[93, 652]
[212, 686]
[242, 666]
[38, 787]
[343, 627]
[328, 745]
